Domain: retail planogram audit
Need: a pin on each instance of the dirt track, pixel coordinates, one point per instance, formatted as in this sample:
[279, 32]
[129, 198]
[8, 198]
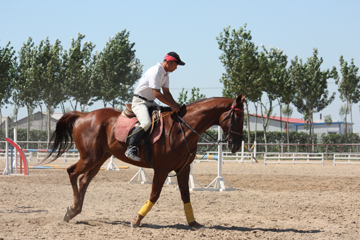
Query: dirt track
[275, 202]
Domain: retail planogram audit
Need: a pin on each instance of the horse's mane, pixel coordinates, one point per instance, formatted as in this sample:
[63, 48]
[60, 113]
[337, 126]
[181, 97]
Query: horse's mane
[204, 100]
[193, 104]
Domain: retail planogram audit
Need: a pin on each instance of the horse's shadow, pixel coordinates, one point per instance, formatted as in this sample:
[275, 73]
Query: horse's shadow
[278, 230]
[217, 227]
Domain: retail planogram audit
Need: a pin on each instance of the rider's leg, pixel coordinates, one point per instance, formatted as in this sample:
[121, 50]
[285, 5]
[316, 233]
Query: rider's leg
[140, 108]
[134, 141]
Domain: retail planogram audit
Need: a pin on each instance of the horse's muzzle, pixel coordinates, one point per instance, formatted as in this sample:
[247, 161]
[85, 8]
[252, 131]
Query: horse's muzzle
[234, 145]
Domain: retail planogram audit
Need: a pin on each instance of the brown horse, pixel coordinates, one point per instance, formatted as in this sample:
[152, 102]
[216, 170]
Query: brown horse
[93, 134]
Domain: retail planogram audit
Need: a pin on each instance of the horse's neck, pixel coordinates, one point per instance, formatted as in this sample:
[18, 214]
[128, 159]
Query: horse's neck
[203, 117]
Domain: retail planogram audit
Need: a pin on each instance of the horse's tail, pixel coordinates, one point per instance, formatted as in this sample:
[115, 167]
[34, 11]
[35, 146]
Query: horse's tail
[62, 137]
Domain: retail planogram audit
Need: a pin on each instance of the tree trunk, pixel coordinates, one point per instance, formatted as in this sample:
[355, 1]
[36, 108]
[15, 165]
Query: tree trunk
[310, 118]
[1, 124]
[255, 121]
[281, 129]
[41, 122]
[262, 119]
[287, 128]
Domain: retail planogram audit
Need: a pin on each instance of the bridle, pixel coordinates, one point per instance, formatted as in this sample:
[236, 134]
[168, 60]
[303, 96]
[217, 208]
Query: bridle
[231, 116]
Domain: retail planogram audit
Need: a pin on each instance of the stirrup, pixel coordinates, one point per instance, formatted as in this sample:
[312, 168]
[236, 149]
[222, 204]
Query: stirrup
[130, 153]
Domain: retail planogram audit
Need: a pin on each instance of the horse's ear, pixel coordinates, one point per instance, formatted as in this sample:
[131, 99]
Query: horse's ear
[240, 99]
[243, 99]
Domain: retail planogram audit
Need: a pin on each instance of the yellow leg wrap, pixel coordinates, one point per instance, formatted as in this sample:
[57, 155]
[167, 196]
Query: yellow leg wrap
[189, 213]
[146, 208]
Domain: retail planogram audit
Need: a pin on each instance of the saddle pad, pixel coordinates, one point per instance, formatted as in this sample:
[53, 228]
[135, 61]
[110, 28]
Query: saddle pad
[123, 125]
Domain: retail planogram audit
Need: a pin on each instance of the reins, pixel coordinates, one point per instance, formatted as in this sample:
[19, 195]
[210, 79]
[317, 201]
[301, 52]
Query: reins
[231, 112]
[187, 145]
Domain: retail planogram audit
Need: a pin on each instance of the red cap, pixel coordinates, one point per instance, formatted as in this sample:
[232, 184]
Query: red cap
[173, 56]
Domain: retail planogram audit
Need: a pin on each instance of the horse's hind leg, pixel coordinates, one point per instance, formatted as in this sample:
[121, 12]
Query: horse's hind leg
[158, 183]
[183, 181]
[84, 181]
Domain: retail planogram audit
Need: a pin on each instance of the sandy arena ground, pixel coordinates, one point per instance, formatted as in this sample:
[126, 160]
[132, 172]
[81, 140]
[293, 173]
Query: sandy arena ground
[269, 202]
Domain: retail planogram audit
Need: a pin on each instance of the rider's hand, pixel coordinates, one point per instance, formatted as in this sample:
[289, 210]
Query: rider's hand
[175, 107]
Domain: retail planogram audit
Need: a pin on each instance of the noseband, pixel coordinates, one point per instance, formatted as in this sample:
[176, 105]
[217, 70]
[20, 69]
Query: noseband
[231, 115]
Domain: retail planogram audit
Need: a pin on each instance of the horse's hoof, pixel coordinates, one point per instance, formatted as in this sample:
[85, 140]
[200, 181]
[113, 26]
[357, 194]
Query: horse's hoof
[196, 226]
[134, 225]
[68, 215]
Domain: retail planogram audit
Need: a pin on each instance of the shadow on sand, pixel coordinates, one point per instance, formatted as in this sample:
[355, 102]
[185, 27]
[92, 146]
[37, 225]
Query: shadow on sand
[186, 227]
[245, 229]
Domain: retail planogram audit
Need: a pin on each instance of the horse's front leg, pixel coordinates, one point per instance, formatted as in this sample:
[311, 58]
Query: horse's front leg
[183, 181]
[158, 183]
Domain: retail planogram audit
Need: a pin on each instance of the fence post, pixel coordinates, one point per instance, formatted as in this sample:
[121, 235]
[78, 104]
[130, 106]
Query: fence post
[293, 158]
[308, 156]
[297, 146]
[326, 152]
[242, 151]
[255, 149]
[265, 155]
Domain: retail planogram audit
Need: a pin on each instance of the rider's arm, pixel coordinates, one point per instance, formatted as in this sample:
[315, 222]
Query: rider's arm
[166, 98]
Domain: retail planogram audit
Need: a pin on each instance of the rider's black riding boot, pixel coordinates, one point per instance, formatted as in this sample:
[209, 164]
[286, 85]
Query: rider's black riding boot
[134, 141]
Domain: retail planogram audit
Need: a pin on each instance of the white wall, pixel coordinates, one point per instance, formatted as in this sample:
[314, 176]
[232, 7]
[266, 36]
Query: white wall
[273, 125]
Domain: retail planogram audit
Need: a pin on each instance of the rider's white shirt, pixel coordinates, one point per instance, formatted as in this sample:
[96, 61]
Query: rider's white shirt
[154, 78]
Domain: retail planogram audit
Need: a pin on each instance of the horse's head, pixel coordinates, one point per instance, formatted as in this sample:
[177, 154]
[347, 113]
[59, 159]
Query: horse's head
[232, 122]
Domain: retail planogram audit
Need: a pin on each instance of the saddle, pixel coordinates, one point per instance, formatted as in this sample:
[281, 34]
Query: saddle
[154, 112]
[127, 121]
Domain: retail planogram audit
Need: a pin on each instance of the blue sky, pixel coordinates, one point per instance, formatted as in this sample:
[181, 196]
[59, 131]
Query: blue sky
[190, 28]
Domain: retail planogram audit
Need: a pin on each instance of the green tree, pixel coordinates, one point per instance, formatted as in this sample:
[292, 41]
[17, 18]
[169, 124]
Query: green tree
[286, 96]
[117, 69]
[349, 87]
[310, 83]
[243, 72]
[79, 66]
[49, 74]
[25, 88]
[195, 95]
[274, 63]
[7, 74]
[344, 111]
[328, 121]
[14, 116]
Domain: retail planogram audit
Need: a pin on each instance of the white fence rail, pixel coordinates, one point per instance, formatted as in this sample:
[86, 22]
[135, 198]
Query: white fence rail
[346, 158]
[38, 156]
[244, 156]
[227, 157]
[294, 158]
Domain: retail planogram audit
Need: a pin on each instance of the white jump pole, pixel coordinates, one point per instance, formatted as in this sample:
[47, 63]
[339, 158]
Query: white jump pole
[169, 182]
[192, 181]
[219, 181]
[7, 168]
[142, 177]
[242, 151]
[15, 163]
[255, 149]
[111, 165]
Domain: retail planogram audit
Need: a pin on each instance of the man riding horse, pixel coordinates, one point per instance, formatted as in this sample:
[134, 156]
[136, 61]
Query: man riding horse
[148, 89]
